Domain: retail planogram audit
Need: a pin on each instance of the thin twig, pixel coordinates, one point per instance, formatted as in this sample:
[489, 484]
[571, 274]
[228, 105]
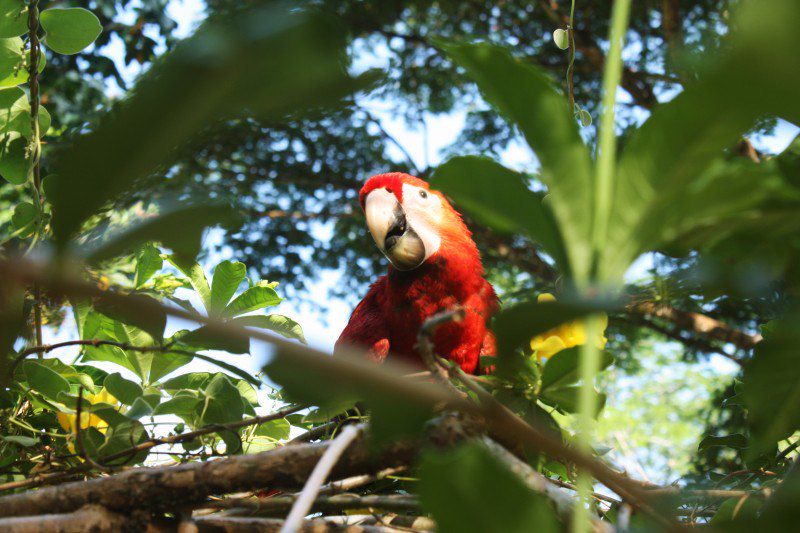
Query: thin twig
[309, 493]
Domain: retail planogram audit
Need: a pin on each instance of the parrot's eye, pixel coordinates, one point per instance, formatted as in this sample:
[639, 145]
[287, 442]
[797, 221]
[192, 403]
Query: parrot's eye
[423, 194]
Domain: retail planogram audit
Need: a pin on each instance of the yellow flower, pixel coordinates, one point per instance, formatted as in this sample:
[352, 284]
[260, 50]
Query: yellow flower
[564, 336]
[68, 420]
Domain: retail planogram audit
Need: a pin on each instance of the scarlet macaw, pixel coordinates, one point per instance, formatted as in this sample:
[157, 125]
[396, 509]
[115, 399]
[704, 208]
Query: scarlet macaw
[434, 266]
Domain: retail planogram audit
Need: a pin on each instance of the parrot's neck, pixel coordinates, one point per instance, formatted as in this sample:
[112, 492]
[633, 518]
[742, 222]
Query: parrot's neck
[454, 271]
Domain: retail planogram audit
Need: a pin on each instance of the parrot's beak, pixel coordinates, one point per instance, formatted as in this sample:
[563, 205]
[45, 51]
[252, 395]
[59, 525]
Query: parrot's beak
[392, 231]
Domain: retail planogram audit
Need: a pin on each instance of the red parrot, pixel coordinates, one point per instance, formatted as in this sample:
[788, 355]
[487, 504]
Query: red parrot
[434, 266]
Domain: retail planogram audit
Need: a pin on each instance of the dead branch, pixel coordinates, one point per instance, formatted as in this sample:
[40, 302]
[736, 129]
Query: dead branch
[89, 518]
[278, 505]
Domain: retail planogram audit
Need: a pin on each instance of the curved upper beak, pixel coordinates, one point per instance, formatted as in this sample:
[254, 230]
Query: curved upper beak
[389, 227]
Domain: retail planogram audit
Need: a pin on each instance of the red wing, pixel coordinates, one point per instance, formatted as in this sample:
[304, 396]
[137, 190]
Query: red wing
[367, 326]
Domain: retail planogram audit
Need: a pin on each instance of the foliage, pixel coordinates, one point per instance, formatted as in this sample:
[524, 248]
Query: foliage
[268, 82]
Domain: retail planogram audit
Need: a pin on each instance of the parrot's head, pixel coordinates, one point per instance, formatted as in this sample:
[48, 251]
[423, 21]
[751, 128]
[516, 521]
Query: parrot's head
[409, 222]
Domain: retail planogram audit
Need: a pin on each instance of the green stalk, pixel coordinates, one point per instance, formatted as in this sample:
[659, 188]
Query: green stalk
[607, 139]
[603, 194]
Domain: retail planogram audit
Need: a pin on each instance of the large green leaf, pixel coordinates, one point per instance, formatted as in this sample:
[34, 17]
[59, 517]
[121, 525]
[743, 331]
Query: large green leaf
[771, 385]
[13, 69]
[208, 338]
[268, 61]
[526, 96]
[152, 322]
[501, 199]
[69, 30]
[253, 299]
[192, 270]
[753, 77]
[227, 277]
[280, 324]
[468, 489]
[13, 22]
[44, 380]
[14, 159]
[164, 363]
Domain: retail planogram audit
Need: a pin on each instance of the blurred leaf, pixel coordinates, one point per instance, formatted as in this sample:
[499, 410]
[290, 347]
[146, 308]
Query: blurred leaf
[20, 440]
[124, 390]
[735, 440]
[148, 262]
[192, 270]
[179, 229]
[468, 489]
[562, 368]
[268, 61]
[44, 380]
[152, 322]
[280, 324]
[14, 161]
[275, 429]
[516, 325]
[206, 338]
[235, 370]
[566, 398]
[500, 198]
[771, 385]
[69, 30]
[13, 22]
[253, 299]
[527, 97]
[191, 381]
[227, 277]
[736, 509]
[751, 78]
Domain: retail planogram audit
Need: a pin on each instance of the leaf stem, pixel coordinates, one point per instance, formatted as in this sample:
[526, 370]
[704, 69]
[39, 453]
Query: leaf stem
[607, 140]
[35, 151]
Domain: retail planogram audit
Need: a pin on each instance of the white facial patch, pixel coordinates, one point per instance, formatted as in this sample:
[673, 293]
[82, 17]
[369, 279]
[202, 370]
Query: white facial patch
[424, 213]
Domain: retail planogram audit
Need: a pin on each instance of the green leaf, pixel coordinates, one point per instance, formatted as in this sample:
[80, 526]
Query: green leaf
[24, 217]
[227, 277]
[500, 198]
[561, 38]
[164, 363]
[20, 440]
[566, 399]
[192, 270]
[274, 429]
[183, 406]
[735, 440]
[253, 299]
[468, 489]
[191, 381]
[526, 96]
[562, 368]
[13, 62]
[206, 338]
[152, 322]
[517, 324]
[299, 68]
[750, 78]
[139, 409]
[179, 228]
[69, 30]
[736, 509]
[280, 324]
[14, 160]
[124, 390]
[44, 380]
[235, 370]
[15, 113]
[148, 262]
[771, 385]
[222, 403]
[13, 22]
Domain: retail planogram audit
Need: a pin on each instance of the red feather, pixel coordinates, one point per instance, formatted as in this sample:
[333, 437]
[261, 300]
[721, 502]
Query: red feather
[388, 319]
